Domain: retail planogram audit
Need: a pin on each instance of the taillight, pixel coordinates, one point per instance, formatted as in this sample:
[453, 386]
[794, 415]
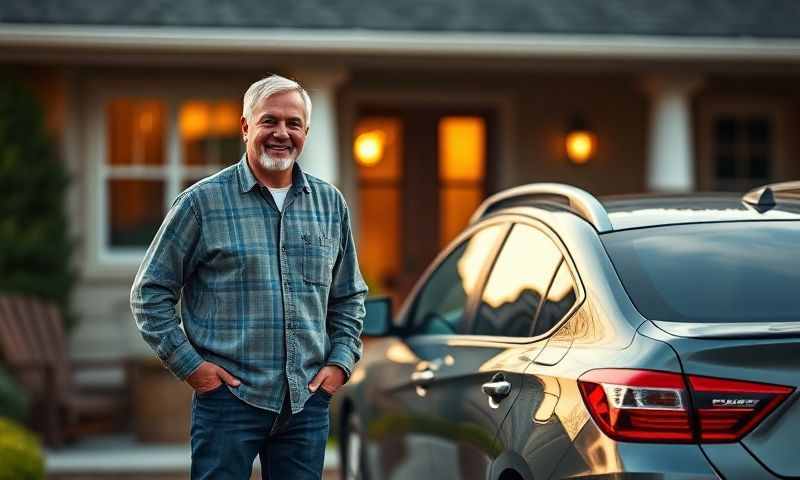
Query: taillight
[729, 409]
[638, 405]
[650, 406]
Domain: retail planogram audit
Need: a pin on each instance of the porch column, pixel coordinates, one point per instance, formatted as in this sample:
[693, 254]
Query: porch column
[670, 162]
[321, 153]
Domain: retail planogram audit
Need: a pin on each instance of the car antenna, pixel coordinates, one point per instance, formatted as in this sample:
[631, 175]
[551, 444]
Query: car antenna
[762, 199]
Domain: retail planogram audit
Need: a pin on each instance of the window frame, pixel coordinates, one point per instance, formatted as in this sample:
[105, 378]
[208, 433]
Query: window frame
[580, 293]
[711, 107]
[101, 258]
[407, 315]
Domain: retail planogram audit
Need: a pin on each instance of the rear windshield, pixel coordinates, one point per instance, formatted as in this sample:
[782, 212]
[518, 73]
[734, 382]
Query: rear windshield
[719, 272]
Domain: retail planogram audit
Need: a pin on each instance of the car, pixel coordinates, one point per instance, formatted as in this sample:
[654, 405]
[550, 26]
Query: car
[561, 336]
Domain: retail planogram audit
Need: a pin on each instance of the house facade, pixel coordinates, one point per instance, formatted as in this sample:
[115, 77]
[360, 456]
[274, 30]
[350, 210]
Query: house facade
[421, 110]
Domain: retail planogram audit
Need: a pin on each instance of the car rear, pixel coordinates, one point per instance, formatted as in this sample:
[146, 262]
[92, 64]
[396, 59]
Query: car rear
[723, 296]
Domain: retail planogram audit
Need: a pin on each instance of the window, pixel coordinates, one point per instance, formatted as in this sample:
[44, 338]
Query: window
[742, 150]
[462, 158]
[443, 299]
[559, 300]
[155, 148]
[518, 282]
[379, 199]
[710, 272]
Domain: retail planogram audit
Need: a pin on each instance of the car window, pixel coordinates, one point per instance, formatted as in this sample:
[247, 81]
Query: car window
[443, 299]
[560, 298]
[519, 280]
[710, 272]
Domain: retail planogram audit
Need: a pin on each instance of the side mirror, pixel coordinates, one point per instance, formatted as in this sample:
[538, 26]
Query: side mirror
[378, 321]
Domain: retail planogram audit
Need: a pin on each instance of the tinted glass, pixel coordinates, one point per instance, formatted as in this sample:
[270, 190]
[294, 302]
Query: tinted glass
[723, 272]
[560, 298]
[518, 281]
[443, 299]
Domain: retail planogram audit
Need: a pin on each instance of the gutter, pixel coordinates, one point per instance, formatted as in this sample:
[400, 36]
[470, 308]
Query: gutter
[33, 37]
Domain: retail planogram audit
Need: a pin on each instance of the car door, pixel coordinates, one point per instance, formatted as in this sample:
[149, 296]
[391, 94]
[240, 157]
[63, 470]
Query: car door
[473, 389]
[410, 429]
[530, 436]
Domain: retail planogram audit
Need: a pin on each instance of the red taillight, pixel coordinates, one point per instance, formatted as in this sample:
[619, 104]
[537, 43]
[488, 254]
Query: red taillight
[649, 406]
[638, 405]
[727, 410]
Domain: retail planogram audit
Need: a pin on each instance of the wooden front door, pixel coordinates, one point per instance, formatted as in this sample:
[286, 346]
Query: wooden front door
[430, 172]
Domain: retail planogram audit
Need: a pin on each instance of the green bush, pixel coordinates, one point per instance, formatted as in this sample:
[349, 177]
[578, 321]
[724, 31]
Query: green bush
[35, 248]
[13, 401]
[20, 453]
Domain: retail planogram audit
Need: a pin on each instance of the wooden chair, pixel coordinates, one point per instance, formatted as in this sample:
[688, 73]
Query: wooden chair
[33, 346]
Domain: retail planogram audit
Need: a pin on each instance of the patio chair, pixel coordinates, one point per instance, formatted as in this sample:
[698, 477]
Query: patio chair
[34, 347]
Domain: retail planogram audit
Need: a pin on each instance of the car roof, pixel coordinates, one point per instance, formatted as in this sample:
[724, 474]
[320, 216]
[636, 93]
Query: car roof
[639, 211]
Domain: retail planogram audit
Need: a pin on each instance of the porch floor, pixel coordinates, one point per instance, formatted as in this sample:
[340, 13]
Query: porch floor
[121, 457]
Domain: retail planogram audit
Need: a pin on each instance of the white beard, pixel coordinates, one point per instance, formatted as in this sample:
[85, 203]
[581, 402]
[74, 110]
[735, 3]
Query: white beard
[275, 164]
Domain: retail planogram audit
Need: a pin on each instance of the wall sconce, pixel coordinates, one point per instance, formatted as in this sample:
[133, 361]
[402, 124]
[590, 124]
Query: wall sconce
[581, 142]
[368, 148]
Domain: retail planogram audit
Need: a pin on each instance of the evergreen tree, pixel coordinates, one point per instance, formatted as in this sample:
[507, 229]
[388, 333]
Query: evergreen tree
[35, 247]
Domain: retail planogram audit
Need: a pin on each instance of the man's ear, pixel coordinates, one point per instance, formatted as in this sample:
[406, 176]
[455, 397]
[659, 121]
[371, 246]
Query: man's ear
[243, 121]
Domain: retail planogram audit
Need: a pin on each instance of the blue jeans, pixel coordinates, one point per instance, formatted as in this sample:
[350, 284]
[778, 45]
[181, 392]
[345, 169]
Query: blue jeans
[227, 434]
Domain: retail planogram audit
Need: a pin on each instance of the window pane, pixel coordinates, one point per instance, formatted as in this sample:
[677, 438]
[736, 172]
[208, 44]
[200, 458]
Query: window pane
[462, 148]
[210, 133]
[456, 206]
[379, 236]
[135, 132]
[136, 210]
[742, 151]
[441, 304]
[520, 277]
[560, 298]
[710, 273]
[378, 148]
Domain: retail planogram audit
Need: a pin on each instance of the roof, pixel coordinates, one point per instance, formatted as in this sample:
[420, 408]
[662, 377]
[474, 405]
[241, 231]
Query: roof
[628, 212]
[682, 18]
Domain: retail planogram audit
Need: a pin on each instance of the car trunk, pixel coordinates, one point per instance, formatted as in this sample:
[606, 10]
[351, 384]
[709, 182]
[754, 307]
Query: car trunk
[767, 357]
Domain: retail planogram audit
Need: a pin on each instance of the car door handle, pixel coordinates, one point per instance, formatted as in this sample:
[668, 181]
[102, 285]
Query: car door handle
[497, 389]
[423, 376]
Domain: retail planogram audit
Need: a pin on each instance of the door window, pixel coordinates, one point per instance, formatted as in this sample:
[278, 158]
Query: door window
[560, 298]
[518, 282]
[443, 300]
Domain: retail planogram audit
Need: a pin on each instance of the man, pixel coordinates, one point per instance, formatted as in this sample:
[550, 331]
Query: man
[272, 301]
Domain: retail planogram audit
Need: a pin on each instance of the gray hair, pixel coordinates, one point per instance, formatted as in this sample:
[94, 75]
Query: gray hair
[269, 86]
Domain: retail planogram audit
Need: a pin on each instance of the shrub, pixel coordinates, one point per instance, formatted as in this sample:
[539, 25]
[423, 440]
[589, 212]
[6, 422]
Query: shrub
[20, 453]
[13, 401]
[35, 248]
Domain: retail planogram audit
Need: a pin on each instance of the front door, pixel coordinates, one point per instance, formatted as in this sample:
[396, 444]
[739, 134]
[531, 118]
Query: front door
[421, 174]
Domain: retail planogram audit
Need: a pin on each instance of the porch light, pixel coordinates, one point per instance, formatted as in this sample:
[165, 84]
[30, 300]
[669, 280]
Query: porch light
[581, 142]
[368, 148]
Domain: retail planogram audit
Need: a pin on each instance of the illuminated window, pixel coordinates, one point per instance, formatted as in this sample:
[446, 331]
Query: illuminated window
[142, 174]
[379, 190]
[462, 152]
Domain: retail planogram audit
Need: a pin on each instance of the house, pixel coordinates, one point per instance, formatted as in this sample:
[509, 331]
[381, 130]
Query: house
[421, 109]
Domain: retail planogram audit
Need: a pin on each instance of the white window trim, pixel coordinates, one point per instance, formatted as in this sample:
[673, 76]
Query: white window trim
[100, 259]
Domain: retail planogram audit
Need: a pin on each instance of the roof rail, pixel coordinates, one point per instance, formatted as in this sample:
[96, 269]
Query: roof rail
[764, 196]
[580, 201]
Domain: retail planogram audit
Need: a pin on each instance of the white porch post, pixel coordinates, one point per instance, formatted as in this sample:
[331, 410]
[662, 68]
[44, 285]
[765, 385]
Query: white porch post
[670, 162]
[321, 153]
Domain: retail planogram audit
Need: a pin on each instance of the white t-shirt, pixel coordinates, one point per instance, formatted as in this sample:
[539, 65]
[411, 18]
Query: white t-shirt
[279, 194]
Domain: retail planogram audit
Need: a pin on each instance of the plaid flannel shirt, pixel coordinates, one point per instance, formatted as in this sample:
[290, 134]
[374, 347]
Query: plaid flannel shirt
[269, 296]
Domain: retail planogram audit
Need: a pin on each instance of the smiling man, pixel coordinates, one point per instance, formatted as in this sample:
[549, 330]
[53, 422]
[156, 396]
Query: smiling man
[272, 301]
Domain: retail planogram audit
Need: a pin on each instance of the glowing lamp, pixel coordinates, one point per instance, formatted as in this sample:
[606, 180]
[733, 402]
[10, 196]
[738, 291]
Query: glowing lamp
[581, 143]
[368, 148]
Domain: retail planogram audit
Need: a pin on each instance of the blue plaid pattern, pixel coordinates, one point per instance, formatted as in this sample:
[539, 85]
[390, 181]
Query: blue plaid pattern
[270, 297]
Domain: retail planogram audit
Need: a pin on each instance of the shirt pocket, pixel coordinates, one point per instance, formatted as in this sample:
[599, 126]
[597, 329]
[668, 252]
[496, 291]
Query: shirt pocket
[317, 259]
